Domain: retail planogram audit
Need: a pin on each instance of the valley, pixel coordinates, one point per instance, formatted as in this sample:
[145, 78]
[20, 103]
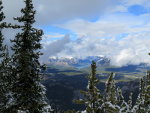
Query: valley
[64, 82]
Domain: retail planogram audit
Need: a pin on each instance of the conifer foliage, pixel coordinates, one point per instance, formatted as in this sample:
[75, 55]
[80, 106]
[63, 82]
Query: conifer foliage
[139, 106]
[28, 92]
[93, 99]
[113, 101]
[147, 93]
[5, 68]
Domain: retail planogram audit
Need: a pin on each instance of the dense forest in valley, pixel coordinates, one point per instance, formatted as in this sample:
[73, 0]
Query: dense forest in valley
[23, 80]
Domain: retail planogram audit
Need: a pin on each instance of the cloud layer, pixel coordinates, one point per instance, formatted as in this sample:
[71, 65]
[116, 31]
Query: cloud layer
[132, 49]
[123, 41]
[55, 11]
[52, 48]
[98, 27]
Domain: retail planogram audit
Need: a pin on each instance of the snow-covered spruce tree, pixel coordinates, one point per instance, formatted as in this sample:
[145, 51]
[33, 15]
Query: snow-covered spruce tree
[28, 92]
[124, 107]
[6, 82]
[147, 93]
[5, 69]
[120, 96]
[130, 104]
[139, 106]
[143, 101]
[92, 97]
[111, 100]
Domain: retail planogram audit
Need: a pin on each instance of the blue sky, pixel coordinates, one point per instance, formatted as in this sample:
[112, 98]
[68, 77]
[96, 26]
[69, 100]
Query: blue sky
[138, 10]
[135, 10]
[118, 29]
[132, 12]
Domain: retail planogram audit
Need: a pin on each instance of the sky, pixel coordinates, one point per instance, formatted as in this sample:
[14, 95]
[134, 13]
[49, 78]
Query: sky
[117, 29]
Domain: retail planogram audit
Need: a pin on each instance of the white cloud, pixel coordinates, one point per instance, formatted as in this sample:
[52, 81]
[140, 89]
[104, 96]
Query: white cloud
[52, 36]
[132, 48]
[51, 48]
[109, 26]
[136, 2]
[57, 11]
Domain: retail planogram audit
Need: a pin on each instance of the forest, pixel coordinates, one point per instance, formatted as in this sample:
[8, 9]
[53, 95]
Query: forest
[21, 90]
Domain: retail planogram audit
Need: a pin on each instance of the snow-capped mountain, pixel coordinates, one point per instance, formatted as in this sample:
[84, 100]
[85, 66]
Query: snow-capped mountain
[79, 62]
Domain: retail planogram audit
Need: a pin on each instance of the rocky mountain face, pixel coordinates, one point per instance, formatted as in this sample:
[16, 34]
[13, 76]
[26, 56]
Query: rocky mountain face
[79, 62]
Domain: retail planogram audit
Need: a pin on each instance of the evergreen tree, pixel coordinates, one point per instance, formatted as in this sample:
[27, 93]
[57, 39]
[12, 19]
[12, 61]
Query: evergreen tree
[111, 100]
[143, 101]
[129, 110]
[28, 92]
[121, 102]
[124, 108]
[120, 96]
[111, 94]
[139, 106]
[114, 101]
[93, 99]
[147, 93]
[5, 69]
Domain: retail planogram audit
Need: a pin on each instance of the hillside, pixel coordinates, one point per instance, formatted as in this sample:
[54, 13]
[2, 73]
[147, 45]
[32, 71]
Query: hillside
[64, 83]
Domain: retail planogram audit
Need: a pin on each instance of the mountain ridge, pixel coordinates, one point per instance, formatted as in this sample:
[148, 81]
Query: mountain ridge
[79, 62]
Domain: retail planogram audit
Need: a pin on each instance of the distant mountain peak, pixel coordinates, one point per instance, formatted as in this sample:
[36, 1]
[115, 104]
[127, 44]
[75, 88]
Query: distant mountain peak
[79, 62]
